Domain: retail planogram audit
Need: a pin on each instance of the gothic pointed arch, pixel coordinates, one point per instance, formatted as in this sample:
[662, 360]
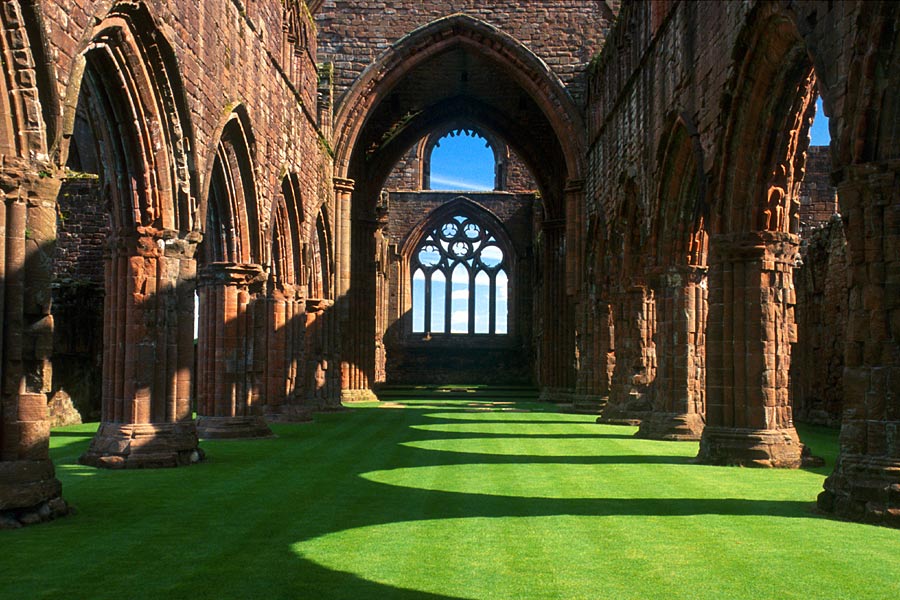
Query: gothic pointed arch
[127, 88]
[286, 254]
[768, 110]
[320, 258]
[681, 214]
[232, 227]
[126, 120]
[538, 85]
[678, 278]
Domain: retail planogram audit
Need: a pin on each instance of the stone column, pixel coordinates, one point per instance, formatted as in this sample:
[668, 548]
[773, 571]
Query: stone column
[595, 356]
[630, 398]
[359, 331]
[575, 225]
[230, 344]
[679, 402]
[865, 484]
[29, 490]
[148, 352]
[557, 352]
[750, 331]
[286, 355]
[321, 384]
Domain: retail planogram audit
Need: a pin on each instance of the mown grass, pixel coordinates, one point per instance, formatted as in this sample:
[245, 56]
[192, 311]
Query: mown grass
[456, 499]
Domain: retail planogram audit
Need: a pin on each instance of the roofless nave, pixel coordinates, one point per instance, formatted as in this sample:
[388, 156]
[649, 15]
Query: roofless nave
[271, 159]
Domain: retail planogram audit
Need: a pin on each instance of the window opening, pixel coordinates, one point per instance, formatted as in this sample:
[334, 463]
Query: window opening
[462, 160]
[459, 281]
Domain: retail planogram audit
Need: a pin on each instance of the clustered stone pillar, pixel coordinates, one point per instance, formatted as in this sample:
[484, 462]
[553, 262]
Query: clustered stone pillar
[557, 360]
[679, 404]
[231, 351]
[354, 306]
[865, 484]
[29, 490]
[750, 330]
[148, 352]
[285, 399]
[322, 381]
[630, 398]
[596, 359]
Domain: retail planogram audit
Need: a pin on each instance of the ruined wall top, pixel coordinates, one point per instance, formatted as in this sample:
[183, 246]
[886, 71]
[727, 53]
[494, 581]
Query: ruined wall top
[566, 34]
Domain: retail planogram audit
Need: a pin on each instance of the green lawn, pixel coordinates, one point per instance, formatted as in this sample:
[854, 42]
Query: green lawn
[455, 499]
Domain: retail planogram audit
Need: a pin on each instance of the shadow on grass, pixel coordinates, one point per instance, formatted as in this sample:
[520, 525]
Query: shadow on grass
[257, 499]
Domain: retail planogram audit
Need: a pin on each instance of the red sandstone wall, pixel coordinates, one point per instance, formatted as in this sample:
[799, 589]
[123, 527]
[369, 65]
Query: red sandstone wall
[227, 53]
[564, 33]
[818, 198]
[817, 362]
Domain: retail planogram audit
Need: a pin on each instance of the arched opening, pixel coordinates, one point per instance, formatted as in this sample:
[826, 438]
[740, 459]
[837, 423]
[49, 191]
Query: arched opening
[754, 247]
[460, 247]
[679, 282]
[454, 73]
[461, 160]
[129, 127]
[231, 386]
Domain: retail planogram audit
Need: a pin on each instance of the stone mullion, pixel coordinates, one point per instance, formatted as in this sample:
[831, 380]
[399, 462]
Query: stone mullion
[427, 306]
[751, 330]
[865, 484]
[471, 299]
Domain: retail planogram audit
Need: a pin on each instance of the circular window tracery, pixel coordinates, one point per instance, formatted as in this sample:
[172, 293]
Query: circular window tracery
[460, 282]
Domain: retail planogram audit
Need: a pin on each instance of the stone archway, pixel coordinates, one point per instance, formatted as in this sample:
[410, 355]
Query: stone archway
[382, 115]
[128, 90]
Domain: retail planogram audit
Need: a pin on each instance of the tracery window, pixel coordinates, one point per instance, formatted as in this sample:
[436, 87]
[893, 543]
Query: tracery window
[459, 279]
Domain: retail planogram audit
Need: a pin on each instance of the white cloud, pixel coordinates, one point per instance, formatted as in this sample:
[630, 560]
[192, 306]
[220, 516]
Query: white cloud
[460, 295]
[456, 184]
[459, 317]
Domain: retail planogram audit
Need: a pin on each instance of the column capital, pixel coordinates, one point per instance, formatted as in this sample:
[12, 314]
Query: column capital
[232, 274]
[343, 185]
[777, 247]
[574, 186]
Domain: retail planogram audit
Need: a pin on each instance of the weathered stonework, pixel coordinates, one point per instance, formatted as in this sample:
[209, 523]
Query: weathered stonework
[662, 149]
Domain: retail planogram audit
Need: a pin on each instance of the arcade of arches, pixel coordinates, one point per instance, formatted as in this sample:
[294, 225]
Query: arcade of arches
[224, 208]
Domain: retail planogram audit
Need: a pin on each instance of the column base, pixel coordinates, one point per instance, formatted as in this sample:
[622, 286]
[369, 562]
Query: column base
[627, 409]
[233, 428]
[674, 427]
[29, 493]
[358, 396]
[864, 488]
[588, 404]
[557, 395]
[143, 446]
[730, 446]
[290, 414]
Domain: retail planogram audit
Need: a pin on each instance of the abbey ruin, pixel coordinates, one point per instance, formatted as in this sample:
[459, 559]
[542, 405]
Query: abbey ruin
[662, 245]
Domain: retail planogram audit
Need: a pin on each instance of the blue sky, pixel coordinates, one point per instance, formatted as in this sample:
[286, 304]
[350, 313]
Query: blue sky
[462, 163]
[819, 130]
